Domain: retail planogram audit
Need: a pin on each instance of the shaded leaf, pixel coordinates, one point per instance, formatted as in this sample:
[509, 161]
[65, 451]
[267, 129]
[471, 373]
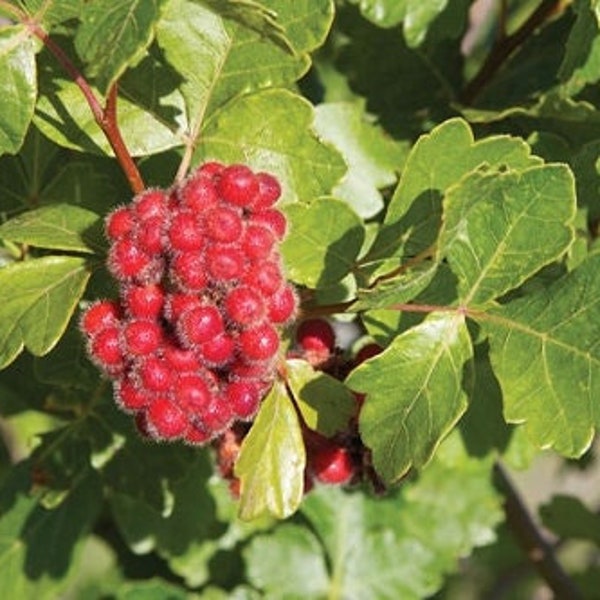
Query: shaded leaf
[113, 35]
[271, 131]
[271, 461]
[414, 393]
[568, 517]
[373, 158]
[18, 86]
[58, 227]
[545, 353]
[324, 241]
[37, 299]
[500, 228]
[325, 403]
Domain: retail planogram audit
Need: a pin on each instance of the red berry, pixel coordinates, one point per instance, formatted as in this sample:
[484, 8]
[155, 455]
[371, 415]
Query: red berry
[244, 398]
[282, 305]
[332, 464]
[238, 185]
[224, 263]
[199, 324]
[269, 191]
[316, 335]
[155, 374]
[258, 372]
[217, 415]
[142, 336]
[188, 271]
[367, 351]
[245, 305]
[211, 169]
[185, 232]
[218, 351]
[196, 435]
[145, 301]
[180, 359]
[149, 235]
[106, 349]
[177, 304]
[199, 192]
[272, 219]
[130, 396]
[151, 203]
[265, 276]
[99, 316]
[223, 224]
[259, 343]
[119, 222]
[257, 242]
[192, 393]
[166, 419]
[127, 261]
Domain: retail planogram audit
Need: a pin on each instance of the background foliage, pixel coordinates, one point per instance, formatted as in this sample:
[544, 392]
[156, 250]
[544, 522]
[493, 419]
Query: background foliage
[439, 166]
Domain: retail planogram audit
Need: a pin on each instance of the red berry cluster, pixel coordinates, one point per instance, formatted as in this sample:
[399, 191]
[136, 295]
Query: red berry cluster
[192, 340]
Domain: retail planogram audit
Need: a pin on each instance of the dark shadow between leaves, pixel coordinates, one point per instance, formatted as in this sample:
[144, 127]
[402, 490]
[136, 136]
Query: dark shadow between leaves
[342, 251]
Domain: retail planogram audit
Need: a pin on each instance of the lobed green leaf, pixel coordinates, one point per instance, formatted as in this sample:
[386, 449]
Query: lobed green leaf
[37, 299]
[18, 86]
[271, 460]
[58, 227]
[544, 351]
[414, 393]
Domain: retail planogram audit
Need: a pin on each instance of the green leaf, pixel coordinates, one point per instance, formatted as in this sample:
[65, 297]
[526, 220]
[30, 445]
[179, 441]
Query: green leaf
[19, 86]
[271, 130]
[568, 517]
[271, 461]
[373, 158]
[220, 59]
[501, 227]
[58, 227]
[325, 403]
[544, 351]
[49, 12]
[37, 299]
[437, 161]
[302, 571]
[430, 523]
[384, 13]
[113, 35]
[324, 241]
[414, 393]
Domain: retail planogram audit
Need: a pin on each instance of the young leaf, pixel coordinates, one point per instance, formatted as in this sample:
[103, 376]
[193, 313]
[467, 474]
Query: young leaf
[500, 228]
[18, 77]
[58, 227]
[414, 393]
[545, 354]
[324, 241]
[437, 161]
[37, 299]
[113, 35]
[271, 461]
[325, 403]
[272, 131]
[372, 157]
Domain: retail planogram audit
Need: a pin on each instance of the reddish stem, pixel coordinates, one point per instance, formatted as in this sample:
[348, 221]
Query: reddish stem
[106, 118]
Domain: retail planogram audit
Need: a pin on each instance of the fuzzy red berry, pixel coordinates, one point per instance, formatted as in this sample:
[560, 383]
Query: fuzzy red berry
[127, 261]
[260, 342]
[273, 219]
[265, 276]
[217, 415]
[218, 351]
[107, 350]
[192, 393]
[130, 396]
[180, 359]
[223, 224]
[224, 263]
[211, 169]
[196, 435]
[257, 242]
[177, 304]
[332, 464]
[269, 191]
[244, 398]
[282, 305]
[245, 305]
[151, 203]
[166, 419]
[185, 232]
[119, 222]
[316, 335]
[199, 324]
[149, 235]
[198, 193]
[99, 316]
[142, 336]
[145, 301]
[238, 185]
[155, 374]
[188, 271]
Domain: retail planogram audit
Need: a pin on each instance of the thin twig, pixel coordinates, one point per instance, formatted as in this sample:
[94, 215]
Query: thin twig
[537, 549]
[505, 46]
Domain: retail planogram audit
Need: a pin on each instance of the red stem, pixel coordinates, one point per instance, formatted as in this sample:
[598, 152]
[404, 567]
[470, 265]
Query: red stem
[106, 118]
